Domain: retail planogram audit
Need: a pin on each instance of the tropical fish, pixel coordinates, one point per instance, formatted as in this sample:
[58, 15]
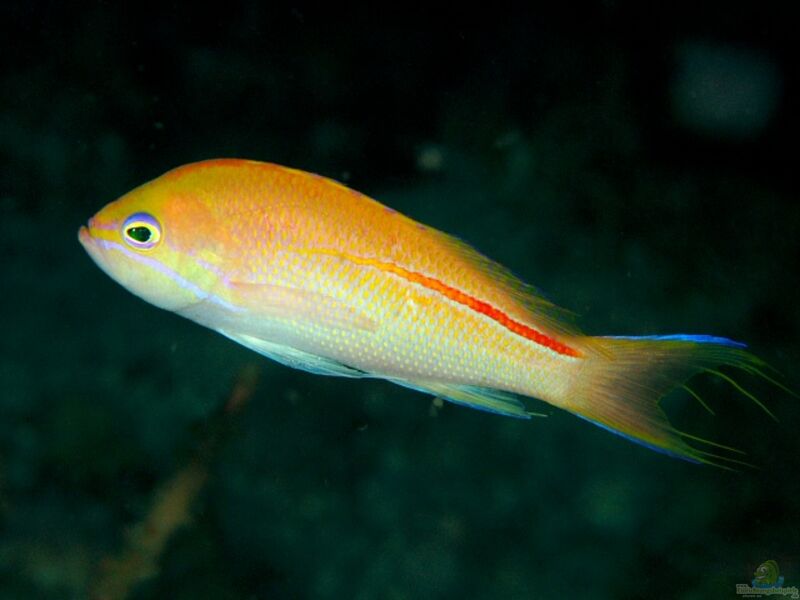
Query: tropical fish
[315, 275]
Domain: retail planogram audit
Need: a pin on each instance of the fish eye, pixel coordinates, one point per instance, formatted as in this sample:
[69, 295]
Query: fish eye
[142, 231]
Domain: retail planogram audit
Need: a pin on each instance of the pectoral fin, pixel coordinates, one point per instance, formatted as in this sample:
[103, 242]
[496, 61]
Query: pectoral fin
[273, 301]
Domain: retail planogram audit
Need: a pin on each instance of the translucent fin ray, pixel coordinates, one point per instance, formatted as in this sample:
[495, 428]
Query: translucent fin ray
[620, 388]
[488, 400]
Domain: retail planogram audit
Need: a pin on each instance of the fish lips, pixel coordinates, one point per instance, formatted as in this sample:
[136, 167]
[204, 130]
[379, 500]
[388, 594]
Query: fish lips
[94, 248]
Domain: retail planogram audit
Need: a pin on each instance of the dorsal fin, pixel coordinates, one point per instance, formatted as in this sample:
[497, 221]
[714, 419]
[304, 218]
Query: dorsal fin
[542, 312]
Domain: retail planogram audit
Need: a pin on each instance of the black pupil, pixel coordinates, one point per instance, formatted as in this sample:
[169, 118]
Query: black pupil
[140, 234]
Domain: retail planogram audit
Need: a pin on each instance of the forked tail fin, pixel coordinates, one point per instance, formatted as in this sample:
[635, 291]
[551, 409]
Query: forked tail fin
[620, 386]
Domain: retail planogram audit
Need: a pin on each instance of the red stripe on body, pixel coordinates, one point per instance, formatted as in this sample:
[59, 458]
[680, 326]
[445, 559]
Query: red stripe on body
[464, 299]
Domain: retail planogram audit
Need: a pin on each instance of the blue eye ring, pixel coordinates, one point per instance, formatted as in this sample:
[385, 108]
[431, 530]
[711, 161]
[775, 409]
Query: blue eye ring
[141, 231]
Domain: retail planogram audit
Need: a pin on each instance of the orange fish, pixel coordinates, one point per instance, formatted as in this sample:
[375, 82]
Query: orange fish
[320, 277]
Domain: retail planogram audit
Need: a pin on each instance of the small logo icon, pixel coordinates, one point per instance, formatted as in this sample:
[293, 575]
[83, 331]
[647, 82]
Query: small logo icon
[767, 581]
[767, 575]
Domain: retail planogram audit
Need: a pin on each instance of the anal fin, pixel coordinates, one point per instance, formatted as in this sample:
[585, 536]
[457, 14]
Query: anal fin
[486, 399]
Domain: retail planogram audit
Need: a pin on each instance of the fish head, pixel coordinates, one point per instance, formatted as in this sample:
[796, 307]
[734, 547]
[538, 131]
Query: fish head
[159, 242]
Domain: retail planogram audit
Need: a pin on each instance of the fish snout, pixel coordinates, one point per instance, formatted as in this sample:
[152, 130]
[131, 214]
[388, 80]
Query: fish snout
[86, 232]
[84, 237]
[91, 244]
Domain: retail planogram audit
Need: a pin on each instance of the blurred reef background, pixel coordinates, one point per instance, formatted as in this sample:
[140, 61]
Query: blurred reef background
[638, 164]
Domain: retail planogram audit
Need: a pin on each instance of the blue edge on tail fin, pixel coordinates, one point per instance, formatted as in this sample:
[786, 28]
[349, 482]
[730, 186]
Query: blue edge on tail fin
[679, 337]
[637, 441]
[682, 337]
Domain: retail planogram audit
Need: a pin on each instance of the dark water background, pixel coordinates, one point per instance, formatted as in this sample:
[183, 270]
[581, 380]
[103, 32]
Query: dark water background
[637, 164]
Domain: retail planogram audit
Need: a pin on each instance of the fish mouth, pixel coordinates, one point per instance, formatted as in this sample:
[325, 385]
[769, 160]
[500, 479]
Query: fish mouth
[91, 244]
[84, 237]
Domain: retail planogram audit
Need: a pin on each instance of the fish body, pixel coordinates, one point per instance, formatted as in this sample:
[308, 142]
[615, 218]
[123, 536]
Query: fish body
[320, 277]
